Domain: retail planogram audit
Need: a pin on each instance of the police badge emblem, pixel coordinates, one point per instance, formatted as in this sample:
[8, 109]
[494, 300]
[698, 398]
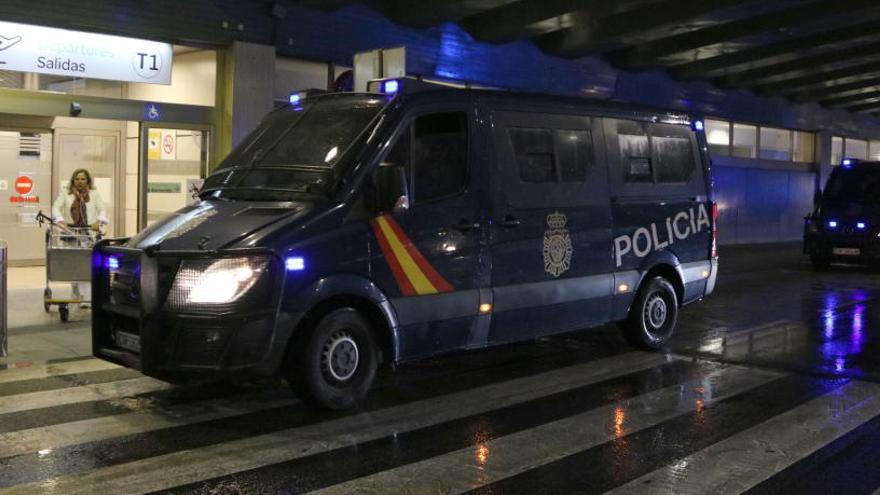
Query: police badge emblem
[557, 245]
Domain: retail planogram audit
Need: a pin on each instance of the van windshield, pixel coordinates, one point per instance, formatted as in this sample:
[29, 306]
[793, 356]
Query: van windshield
[295, 150]
[860, 184]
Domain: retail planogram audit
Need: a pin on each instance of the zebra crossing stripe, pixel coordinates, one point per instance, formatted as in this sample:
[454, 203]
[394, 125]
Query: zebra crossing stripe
[48, 438]
[487, 462]
[101, 391]
[742, 461]
[56, 369]
[189, 466]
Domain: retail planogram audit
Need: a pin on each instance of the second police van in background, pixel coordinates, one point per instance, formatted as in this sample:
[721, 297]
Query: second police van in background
[350, 230]
[845, 223]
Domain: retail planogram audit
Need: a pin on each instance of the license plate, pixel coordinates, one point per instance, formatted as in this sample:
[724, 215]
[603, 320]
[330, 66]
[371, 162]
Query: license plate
[128, 341]
[846, 251]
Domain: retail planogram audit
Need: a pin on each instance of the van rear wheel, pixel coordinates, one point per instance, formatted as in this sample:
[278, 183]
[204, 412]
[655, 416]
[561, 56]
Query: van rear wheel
[336, 364]
[653, 315]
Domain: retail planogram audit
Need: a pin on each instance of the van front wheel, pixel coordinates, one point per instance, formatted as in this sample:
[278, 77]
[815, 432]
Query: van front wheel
[653, 315]
[337, 362]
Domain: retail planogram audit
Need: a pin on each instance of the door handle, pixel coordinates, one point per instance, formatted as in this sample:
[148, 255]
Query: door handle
[509, 222]
[465, 225]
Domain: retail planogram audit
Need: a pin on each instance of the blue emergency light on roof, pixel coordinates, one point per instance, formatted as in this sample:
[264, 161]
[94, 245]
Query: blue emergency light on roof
[861, 225]
[294, 98]
[698, 125]
[391, 87]
[846, 162]
[295, 263]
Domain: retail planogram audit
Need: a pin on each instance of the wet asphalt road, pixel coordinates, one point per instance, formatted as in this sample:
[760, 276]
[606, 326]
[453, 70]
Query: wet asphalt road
[772, 385]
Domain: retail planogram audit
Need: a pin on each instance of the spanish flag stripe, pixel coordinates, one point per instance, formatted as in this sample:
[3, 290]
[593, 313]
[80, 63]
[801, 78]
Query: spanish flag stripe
[406, 288]
[440, 284]
[419, 281]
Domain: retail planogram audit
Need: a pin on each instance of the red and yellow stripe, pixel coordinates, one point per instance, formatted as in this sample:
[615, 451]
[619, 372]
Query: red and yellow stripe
[414, 275]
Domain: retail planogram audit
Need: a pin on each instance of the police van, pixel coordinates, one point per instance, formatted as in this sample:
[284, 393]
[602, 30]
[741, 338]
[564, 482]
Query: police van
[845, 224]
[350, 230]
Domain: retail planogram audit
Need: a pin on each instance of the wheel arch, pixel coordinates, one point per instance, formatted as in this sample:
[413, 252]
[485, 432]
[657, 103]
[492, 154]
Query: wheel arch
[352, 291]
[667, 265]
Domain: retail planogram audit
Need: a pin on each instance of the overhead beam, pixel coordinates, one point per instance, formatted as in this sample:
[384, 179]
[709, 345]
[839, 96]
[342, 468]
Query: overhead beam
[755, 77]
[592, 35]
[512, 21]
[767, 54]
[792, 85]
[841, 89]
[865, 107]
[428, 13]
[842, 101]
[649, 53]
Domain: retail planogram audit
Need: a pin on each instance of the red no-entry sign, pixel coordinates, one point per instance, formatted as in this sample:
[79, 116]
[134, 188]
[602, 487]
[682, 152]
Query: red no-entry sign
[24, 185]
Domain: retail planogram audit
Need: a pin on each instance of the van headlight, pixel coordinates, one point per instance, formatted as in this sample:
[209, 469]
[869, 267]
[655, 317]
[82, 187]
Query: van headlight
[215, 282]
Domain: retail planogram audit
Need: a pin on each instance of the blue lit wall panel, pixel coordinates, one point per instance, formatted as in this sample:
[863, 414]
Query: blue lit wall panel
[730, 193]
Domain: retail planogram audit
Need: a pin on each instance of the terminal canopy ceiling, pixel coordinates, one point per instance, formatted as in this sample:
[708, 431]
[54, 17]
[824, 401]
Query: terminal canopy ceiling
[824, 51]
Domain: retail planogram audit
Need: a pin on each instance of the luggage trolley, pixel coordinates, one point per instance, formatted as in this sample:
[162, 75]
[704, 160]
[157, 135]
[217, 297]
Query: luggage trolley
[68, 259]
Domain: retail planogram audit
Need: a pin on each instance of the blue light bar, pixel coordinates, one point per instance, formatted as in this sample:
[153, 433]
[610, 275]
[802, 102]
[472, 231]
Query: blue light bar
[861, 225]
[112, 263]
[294, 98]
[846, 162]
[832, 224]
[295, 263]
[698, 125]
[391, 87]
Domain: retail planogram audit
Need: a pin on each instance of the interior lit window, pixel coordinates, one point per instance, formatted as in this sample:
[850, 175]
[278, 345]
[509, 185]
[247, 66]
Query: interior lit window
[745, 140]
[805, 146]
[718, 136]
[873, 150]
[856, 148]
[775, 144]
[836, 150]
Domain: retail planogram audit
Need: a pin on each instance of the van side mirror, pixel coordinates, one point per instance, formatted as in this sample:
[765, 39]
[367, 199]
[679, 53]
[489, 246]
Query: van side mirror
[392, 193]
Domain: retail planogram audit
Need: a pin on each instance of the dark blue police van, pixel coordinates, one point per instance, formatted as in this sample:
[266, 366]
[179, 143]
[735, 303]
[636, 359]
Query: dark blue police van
[845, 223]
[350, 230]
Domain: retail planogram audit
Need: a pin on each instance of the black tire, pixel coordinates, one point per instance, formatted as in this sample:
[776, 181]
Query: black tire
[47, 294]
[820, 262]
[63, 312]
[335, 365]
[653, 315]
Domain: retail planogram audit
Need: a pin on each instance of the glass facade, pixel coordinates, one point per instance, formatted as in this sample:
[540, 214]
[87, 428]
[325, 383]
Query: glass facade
[836, 150]
[745, 140]
[737, 139]
[775, 144]
[718, 136]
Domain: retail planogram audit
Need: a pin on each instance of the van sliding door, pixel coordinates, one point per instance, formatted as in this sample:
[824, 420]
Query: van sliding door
[551, 228]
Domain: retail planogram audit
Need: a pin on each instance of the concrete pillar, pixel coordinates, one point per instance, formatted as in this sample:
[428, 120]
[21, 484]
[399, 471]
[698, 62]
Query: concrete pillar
[245, 75]
[823, 157]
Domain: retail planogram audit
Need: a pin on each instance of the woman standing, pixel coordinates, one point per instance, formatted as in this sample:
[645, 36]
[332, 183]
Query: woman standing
[79, 204]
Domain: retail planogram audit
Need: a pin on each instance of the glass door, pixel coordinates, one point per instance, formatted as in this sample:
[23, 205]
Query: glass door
[175, 159]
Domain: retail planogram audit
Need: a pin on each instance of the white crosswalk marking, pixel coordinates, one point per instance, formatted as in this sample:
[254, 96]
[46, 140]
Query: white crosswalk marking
[73, 395]
[475, 466]
[57, 369]
[179, 468]
[732, 465]
[47, 438]
[742, 461]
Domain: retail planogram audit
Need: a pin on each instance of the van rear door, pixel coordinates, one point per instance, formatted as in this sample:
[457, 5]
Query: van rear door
[660, 203]
[551, 225]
